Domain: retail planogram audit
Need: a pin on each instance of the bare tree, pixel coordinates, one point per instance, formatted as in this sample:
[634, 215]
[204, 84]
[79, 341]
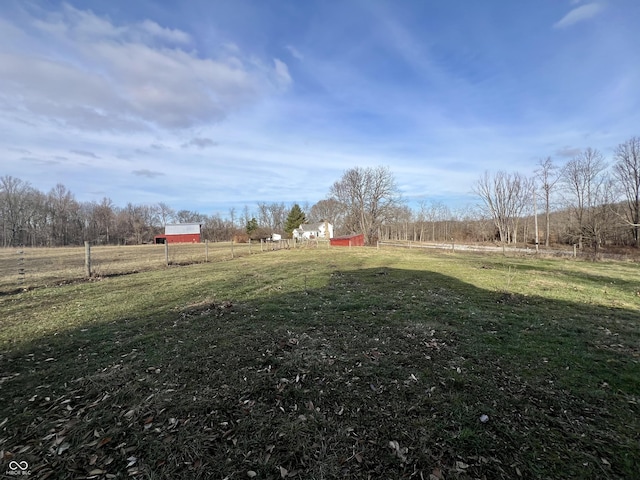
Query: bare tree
[247, 215]
[164, 213]
[369, 195]
[232, 217]
[398, 224]
[13, 203]
[627, 171]
[64, 214]
[586, 188]
[189, 216]
[272, 215]
[105, 219]
[505, 197]
[439, 216]
[549, 175]
[330, 210]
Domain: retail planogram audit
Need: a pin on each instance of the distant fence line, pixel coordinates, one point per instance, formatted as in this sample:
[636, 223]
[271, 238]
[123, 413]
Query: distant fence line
[233, 250]
[542, 252]
[452, 246]
[29, 267]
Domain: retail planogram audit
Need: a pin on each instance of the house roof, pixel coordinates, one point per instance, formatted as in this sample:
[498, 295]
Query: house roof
[311, 226]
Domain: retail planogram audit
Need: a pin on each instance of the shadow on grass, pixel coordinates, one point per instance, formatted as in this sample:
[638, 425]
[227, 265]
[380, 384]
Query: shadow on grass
[384, 373]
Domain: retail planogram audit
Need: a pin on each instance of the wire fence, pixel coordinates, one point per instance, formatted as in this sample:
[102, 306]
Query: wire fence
[28, 267]
[574, 252]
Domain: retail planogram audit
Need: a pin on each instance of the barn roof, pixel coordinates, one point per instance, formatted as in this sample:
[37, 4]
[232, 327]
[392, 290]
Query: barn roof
[345, 237]
[182, 228]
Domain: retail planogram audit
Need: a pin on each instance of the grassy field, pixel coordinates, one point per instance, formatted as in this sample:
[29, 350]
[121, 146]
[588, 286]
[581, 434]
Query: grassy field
[327, 363]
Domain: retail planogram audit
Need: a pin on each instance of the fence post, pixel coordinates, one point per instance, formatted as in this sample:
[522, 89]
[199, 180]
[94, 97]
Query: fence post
[87, 259]
[166, 252]
[261, 246]
[574, 250]
[206, 251]
[232, 248]
[377, 245]
[21, 270]
[249, 246]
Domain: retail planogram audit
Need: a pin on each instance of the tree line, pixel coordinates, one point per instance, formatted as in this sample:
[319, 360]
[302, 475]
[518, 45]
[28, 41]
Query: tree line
[596, 203]
[586, 201]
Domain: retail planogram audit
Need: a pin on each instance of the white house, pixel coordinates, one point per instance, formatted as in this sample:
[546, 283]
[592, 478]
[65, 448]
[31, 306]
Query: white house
[313, 230]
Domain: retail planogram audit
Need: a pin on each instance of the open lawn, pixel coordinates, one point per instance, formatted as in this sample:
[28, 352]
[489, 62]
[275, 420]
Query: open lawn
[327, 363]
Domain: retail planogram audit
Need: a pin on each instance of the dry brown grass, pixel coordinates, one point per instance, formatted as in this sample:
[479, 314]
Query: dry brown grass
[50, 266]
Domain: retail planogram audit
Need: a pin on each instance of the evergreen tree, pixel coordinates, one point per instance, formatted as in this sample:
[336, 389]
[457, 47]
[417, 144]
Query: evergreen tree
[252, 226]
[295, 218]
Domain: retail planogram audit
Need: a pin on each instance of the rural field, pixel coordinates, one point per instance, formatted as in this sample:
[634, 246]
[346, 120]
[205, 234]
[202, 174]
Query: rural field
[318, 363]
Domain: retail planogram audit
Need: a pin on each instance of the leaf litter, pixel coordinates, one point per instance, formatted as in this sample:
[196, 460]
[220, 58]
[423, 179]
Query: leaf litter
[384, 398]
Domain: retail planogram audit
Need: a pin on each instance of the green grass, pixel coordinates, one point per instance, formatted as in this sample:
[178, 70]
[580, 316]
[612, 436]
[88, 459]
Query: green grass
[314, 364]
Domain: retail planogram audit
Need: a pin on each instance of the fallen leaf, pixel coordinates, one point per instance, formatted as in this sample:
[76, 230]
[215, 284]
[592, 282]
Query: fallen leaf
[251, 474]
[283, 472]
[104, 441]
[461, 465]
[63, 448]
[97, 471]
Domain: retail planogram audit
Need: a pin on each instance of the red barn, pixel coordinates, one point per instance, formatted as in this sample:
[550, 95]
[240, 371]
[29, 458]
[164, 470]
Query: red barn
[348, 241]
[180, 233]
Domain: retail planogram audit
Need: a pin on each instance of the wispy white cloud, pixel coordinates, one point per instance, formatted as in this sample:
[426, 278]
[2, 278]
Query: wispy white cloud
[113, 77]
[295, 53]
[282, 73]
[437, 105]
[166, 34]
[579, 14]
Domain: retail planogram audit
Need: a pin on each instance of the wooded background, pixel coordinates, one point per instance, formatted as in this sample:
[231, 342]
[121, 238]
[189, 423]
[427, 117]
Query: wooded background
[588, 201]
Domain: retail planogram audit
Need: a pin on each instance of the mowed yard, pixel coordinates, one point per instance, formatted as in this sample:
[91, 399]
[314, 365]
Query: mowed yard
[325, 363]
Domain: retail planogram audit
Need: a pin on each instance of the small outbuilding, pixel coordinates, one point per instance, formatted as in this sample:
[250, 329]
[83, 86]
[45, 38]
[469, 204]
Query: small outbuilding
[180, 233]
[348, 241]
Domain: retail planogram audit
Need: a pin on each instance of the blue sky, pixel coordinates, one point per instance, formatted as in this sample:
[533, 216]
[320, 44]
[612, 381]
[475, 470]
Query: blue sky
[207, 105]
